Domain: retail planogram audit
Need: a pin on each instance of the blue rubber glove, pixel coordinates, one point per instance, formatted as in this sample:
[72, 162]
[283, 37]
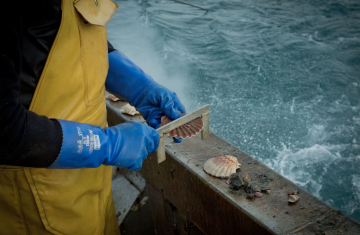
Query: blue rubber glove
[125, 145]
[151, 99]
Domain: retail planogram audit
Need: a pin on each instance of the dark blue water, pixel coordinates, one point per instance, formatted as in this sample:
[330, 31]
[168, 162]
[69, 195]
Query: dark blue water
[282, 79]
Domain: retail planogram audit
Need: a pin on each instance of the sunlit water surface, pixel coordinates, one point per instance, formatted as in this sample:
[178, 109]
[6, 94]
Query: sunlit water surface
[282, 79]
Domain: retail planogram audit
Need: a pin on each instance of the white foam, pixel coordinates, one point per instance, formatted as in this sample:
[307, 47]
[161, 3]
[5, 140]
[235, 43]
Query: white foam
[302, 166]
[292, 106]
[356, 186]
[139, 40]
[344, 40]
[352, 205]
[316, 134]
[356, 120]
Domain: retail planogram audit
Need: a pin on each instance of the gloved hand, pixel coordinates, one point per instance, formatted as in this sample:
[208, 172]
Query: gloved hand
[125, 145]
[151, 99]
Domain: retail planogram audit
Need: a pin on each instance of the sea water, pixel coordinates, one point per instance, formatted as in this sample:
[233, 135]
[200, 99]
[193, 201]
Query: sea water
[282, 79]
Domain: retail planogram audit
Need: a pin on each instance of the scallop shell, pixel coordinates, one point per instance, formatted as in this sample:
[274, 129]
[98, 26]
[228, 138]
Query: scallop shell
[293, 198]
[112, 97]
[128, 109]
[187, 130]
[222, 166]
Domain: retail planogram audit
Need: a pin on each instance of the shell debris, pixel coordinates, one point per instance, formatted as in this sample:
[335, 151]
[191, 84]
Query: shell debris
[128, 109]
[246, 177]
[293, 198]
[235, 182]
[222, 166]
[112, 97]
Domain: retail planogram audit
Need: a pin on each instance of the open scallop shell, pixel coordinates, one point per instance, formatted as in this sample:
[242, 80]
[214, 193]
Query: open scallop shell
[128, 109]
[222, 166]
[187, 130]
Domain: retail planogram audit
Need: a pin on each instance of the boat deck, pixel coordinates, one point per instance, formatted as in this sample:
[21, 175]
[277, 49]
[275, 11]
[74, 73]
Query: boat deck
[182, 196]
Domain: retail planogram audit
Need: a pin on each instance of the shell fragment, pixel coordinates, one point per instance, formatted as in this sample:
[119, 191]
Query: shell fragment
[112, 97]
[128, 109]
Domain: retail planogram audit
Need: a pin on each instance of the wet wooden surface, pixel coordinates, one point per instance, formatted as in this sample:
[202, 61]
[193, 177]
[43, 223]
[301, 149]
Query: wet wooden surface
[216, 209]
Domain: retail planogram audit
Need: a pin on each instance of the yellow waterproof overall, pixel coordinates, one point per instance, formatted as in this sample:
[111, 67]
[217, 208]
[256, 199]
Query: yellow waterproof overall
[71, 87]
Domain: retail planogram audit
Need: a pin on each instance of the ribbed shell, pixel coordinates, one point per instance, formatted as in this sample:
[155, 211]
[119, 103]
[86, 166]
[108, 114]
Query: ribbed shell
[222, 166]
[293, 198]
[187, 130]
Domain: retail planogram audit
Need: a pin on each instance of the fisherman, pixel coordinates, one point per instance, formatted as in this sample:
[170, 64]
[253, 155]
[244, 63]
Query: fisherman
[56, 148]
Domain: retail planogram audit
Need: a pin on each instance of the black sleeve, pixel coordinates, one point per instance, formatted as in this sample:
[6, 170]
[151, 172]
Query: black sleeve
[26, 139]
[110, 47]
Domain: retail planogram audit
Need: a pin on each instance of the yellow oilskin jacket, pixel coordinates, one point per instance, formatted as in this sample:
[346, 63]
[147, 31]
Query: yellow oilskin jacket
[71, 87]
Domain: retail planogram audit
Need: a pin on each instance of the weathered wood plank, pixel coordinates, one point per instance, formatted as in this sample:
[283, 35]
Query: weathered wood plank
[160, 212]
